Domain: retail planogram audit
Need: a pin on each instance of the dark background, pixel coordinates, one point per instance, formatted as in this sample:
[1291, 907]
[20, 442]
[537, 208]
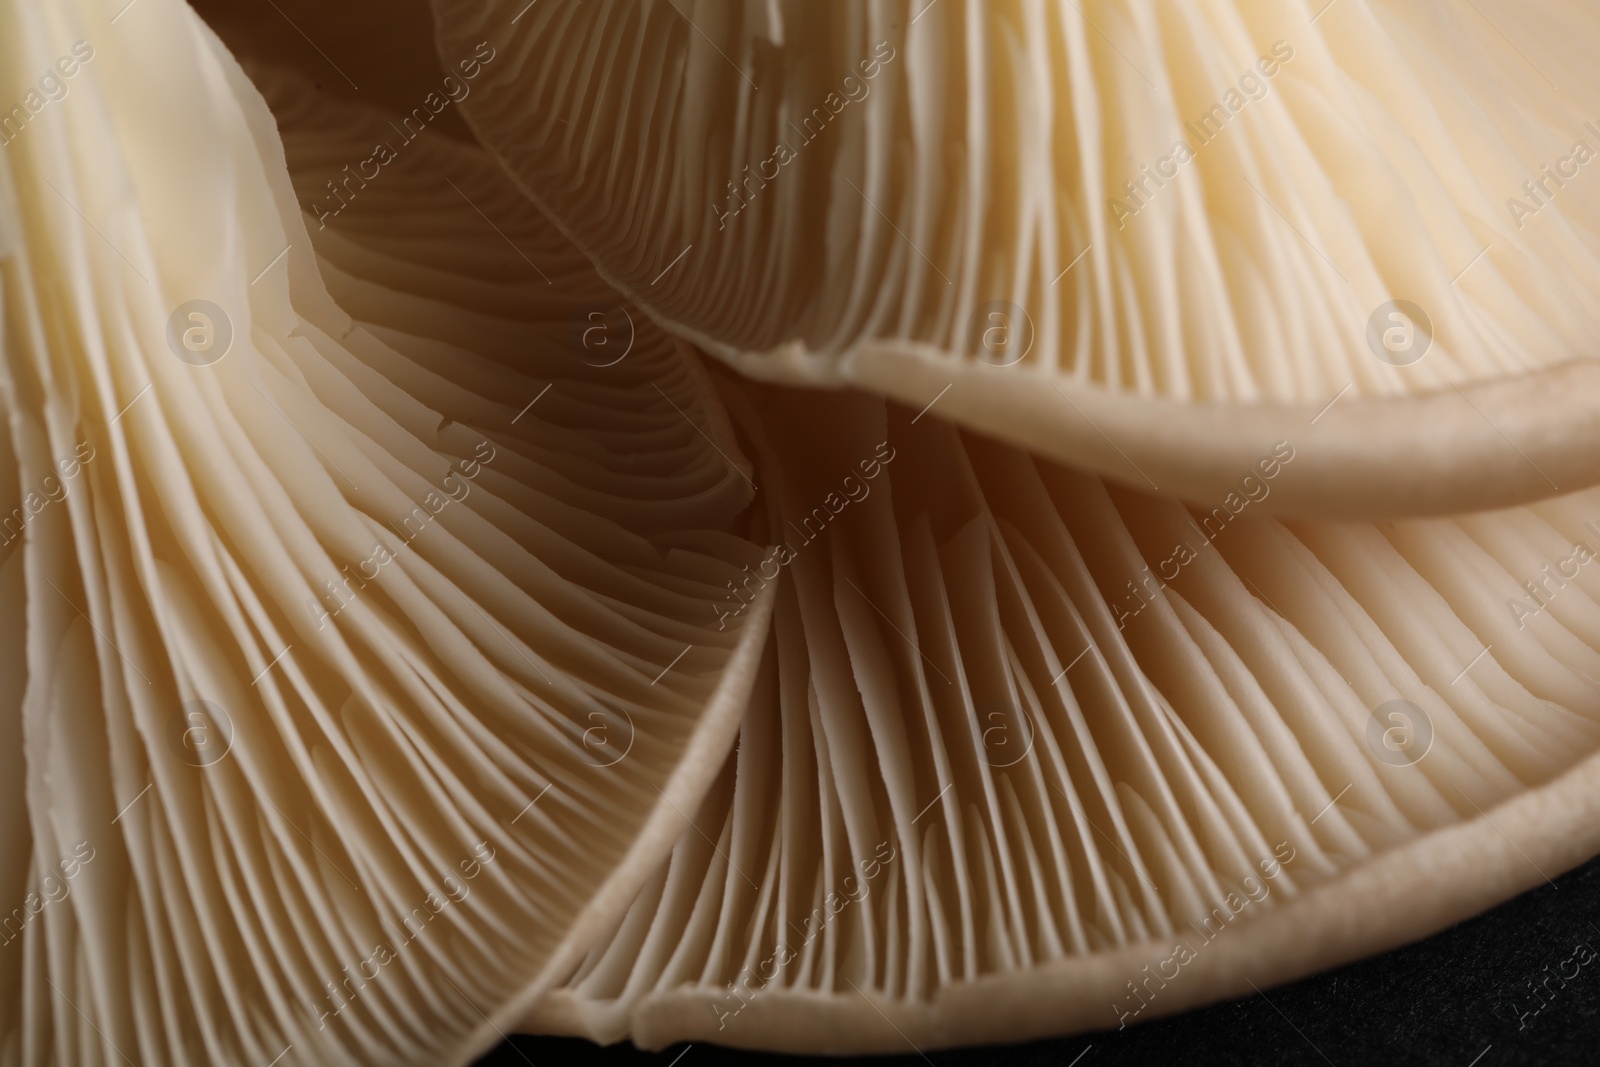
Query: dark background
[1447, 1000]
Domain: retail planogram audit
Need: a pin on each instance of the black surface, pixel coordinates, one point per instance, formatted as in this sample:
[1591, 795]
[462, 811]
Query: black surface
[1457, 999]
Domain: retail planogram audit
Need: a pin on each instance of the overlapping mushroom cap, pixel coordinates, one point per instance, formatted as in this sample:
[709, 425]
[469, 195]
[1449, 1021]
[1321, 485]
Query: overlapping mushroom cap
[388, 590]
[360, 651]
[1142, 240]
[1030, 753]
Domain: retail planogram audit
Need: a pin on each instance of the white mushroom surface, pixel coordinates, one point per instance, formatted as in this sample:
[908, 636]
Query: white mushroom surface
[473, 576]
[360, 658]
[1136, 238]
[1031, 754]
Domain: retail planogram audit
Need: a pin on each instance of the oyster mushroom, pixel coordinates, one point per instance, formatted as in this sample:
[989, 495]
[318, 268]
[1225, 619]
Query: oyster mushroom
[1138, 240]
[1016, 766]
[1037, 736]
[361, 664]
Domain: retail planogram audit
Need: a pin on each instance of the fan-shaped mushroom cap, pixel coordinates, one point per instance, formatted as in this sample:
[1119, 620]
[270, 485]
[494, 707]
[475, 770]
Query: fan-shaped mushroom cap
[1140, 239]
[1030, 753]
[361, 660]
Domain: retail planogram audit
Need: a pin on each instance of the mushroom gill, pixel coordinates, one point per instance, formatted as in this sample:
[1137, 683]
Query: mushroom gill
[361, 662]
[388, 583]
[1030, 753]
[1134, 238]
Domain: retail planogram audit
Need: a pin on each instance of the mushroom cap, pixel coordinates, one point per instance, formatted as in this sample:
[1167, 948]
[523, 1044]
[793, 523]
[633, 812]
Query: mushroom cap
[1020, 734]
[387, 643]
[1143, 241]
[362, 662]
